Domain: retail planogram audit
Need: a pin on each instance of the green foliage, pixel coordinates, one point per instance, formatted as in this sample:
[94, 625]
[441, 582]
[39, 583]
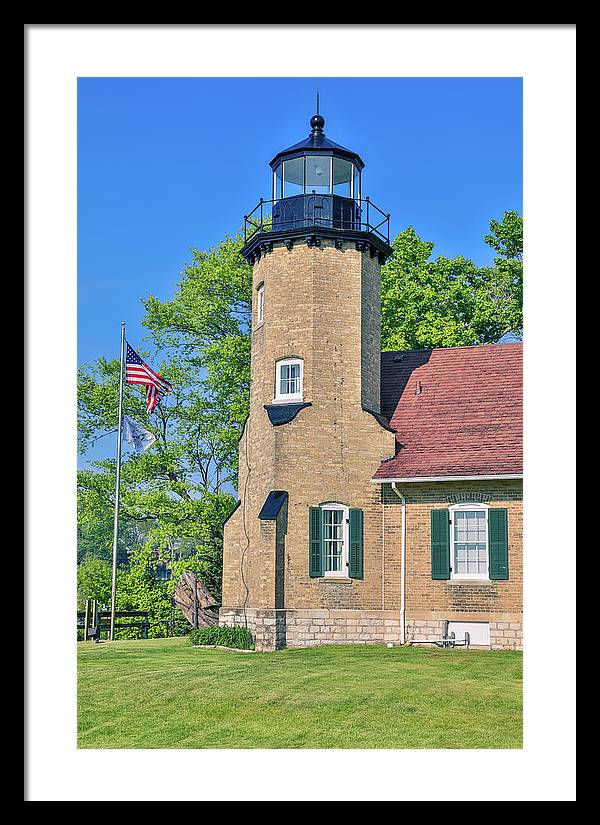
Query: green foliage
[95, 532]
[452, 302]
[137, 589]
[238, 637]
[173, 501]
[207, 324]
[506, 237]
[94, 581]
[94, 540]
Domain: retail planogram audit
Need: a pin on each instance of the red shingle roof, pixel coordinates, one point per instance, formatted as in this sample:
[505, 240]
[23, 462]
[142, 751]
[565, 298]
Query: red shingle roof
[456, 411]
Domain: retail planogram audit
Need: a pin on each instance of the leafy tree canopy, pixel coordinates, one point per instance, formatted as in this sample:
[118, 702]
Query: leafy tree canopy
[452, 302]
[506, 237]
[174, 497]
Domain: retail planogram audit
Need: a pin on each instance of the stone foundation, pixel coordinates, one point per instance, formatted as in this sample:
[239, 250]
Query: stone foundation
[276, 629]
[267, 626]
[420, 630]
[307, 628]
[506, 636]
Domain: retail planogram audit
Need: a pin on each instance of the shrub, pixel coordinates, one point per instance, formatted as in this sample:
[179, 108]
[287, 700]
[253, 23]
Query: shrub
[227, 636]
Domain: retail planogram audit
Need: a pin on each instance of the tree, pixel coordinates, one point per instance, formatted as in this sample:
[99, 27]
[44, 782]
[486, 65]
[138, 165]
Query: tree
[207, 323]
[95, 534]
[452, 302]
[506, 237]
[174, 497]
[137, 589]
[94, 581]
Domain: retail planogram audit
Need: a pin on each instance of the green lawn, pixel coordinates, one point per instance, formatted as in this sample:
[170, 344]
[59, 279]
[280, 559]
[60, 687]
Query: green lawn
[163, 693]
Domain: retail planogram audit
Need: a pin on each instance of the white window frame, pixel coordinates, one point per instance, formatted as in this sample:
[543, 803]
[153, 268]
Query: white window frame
[286, 398]
[469, 507]
[344, 572]
[260, 304]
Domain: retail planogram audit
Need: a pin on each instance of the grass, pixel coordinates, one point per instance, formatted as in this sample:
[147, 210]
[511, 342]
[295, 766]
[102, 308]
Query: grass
[163, 693]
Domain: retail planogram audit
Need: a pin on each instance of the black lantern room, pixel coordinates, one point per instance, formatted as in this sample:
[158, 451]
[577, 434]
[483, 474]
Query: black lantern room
[316, 193]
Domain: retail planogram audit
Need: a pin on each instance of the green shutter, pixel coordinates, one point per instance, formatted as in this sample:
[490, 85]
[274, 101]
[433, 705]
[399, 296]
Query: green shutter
[440, 544]
[355, 561]
[498, 542]
[315, 555]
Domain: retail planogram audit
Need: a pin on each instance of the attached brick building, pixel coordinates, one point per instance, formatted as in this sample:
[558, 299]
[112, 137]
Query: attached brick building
[380, 494]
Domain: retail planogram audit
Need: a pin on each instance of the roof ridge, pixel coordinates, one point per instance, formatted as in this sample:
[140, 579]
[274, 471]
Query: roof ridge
[439, 349]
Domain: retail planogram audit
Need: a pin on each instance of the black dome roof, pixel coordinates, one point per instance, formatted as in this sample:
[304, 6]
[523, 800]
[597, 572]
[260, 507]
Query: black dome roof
[317, 143]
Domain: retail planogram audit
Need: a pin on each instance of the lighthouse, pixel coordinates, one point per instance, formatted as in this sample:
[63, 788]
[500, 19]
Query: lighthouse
[304, 546]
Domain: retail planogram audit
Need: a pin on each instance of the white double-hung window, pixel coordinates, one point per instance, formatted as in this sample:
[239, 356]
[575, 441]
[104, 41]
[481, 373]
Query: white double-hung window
[288, 380]
[469, 541]
[335, 539]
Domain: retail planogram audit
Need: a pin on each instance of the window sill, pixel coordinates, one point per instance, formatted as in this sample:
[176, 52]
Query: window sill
[482, 580]
[292, 399]
[338, 578]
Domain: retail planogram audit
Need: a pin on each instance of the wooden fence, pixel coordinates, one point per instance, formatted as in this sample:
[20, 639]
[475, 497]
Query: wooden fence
[92, 623]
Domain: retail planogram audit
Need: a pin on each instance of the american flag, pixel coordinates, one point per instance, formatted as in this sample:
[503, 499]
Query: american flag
[138, 372]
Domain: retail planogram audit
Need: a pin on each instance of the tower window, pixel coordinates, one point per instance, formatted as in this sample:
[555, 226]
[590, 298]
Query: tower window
[260, 304]
[288, 380]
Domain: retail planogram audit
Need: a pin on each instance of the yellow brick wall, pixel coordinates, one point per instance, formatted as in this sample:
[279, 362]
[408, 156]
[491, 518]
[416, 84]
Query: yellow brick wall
[453, 600]
[330, 451]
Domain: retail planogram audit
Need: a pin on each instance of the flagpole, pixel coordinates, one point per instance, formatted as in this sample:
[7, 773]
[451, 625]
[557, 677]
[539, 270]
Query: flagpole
[117, 491]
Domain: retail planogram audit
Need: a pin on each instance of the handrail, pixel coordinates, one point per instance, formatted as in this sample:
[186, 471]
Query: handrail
[259, 220]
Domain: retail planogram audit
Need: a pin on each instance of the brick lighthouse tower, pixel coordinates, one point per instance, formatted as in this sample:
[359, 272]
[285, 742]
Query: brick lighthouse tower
[303, 550]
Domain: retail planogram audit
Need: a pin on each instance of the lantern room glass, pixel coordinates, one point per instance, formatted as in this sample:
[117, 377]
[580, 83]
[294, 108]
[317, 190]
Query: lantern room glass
[342, 177]
[318, 174]
[293, 177]
[323, 174]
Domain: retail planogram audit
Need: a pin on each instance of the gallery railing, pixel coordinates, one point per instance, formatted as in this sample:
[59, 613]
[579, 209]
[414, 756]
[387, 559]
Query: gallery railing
[313, 210]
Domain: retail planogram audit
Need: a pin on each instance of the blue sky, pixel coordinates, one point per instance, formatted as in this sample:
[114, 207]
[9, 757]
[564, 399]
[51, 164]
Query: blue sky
[167, 164]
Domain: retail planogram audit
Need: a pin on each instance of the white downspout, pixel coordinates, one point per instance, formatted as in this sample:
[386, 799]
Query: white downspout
[402, 566]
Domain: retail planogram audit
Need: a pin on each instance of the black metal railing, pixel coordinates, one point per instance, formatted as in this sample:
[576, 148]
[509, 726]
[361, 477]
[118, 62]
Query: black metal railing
[314, 210]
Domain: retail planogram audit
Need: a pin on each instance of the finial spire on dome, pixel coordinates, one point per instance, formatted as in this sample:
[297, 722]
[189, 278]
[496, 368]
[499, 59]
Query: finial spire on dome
[317, 121]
